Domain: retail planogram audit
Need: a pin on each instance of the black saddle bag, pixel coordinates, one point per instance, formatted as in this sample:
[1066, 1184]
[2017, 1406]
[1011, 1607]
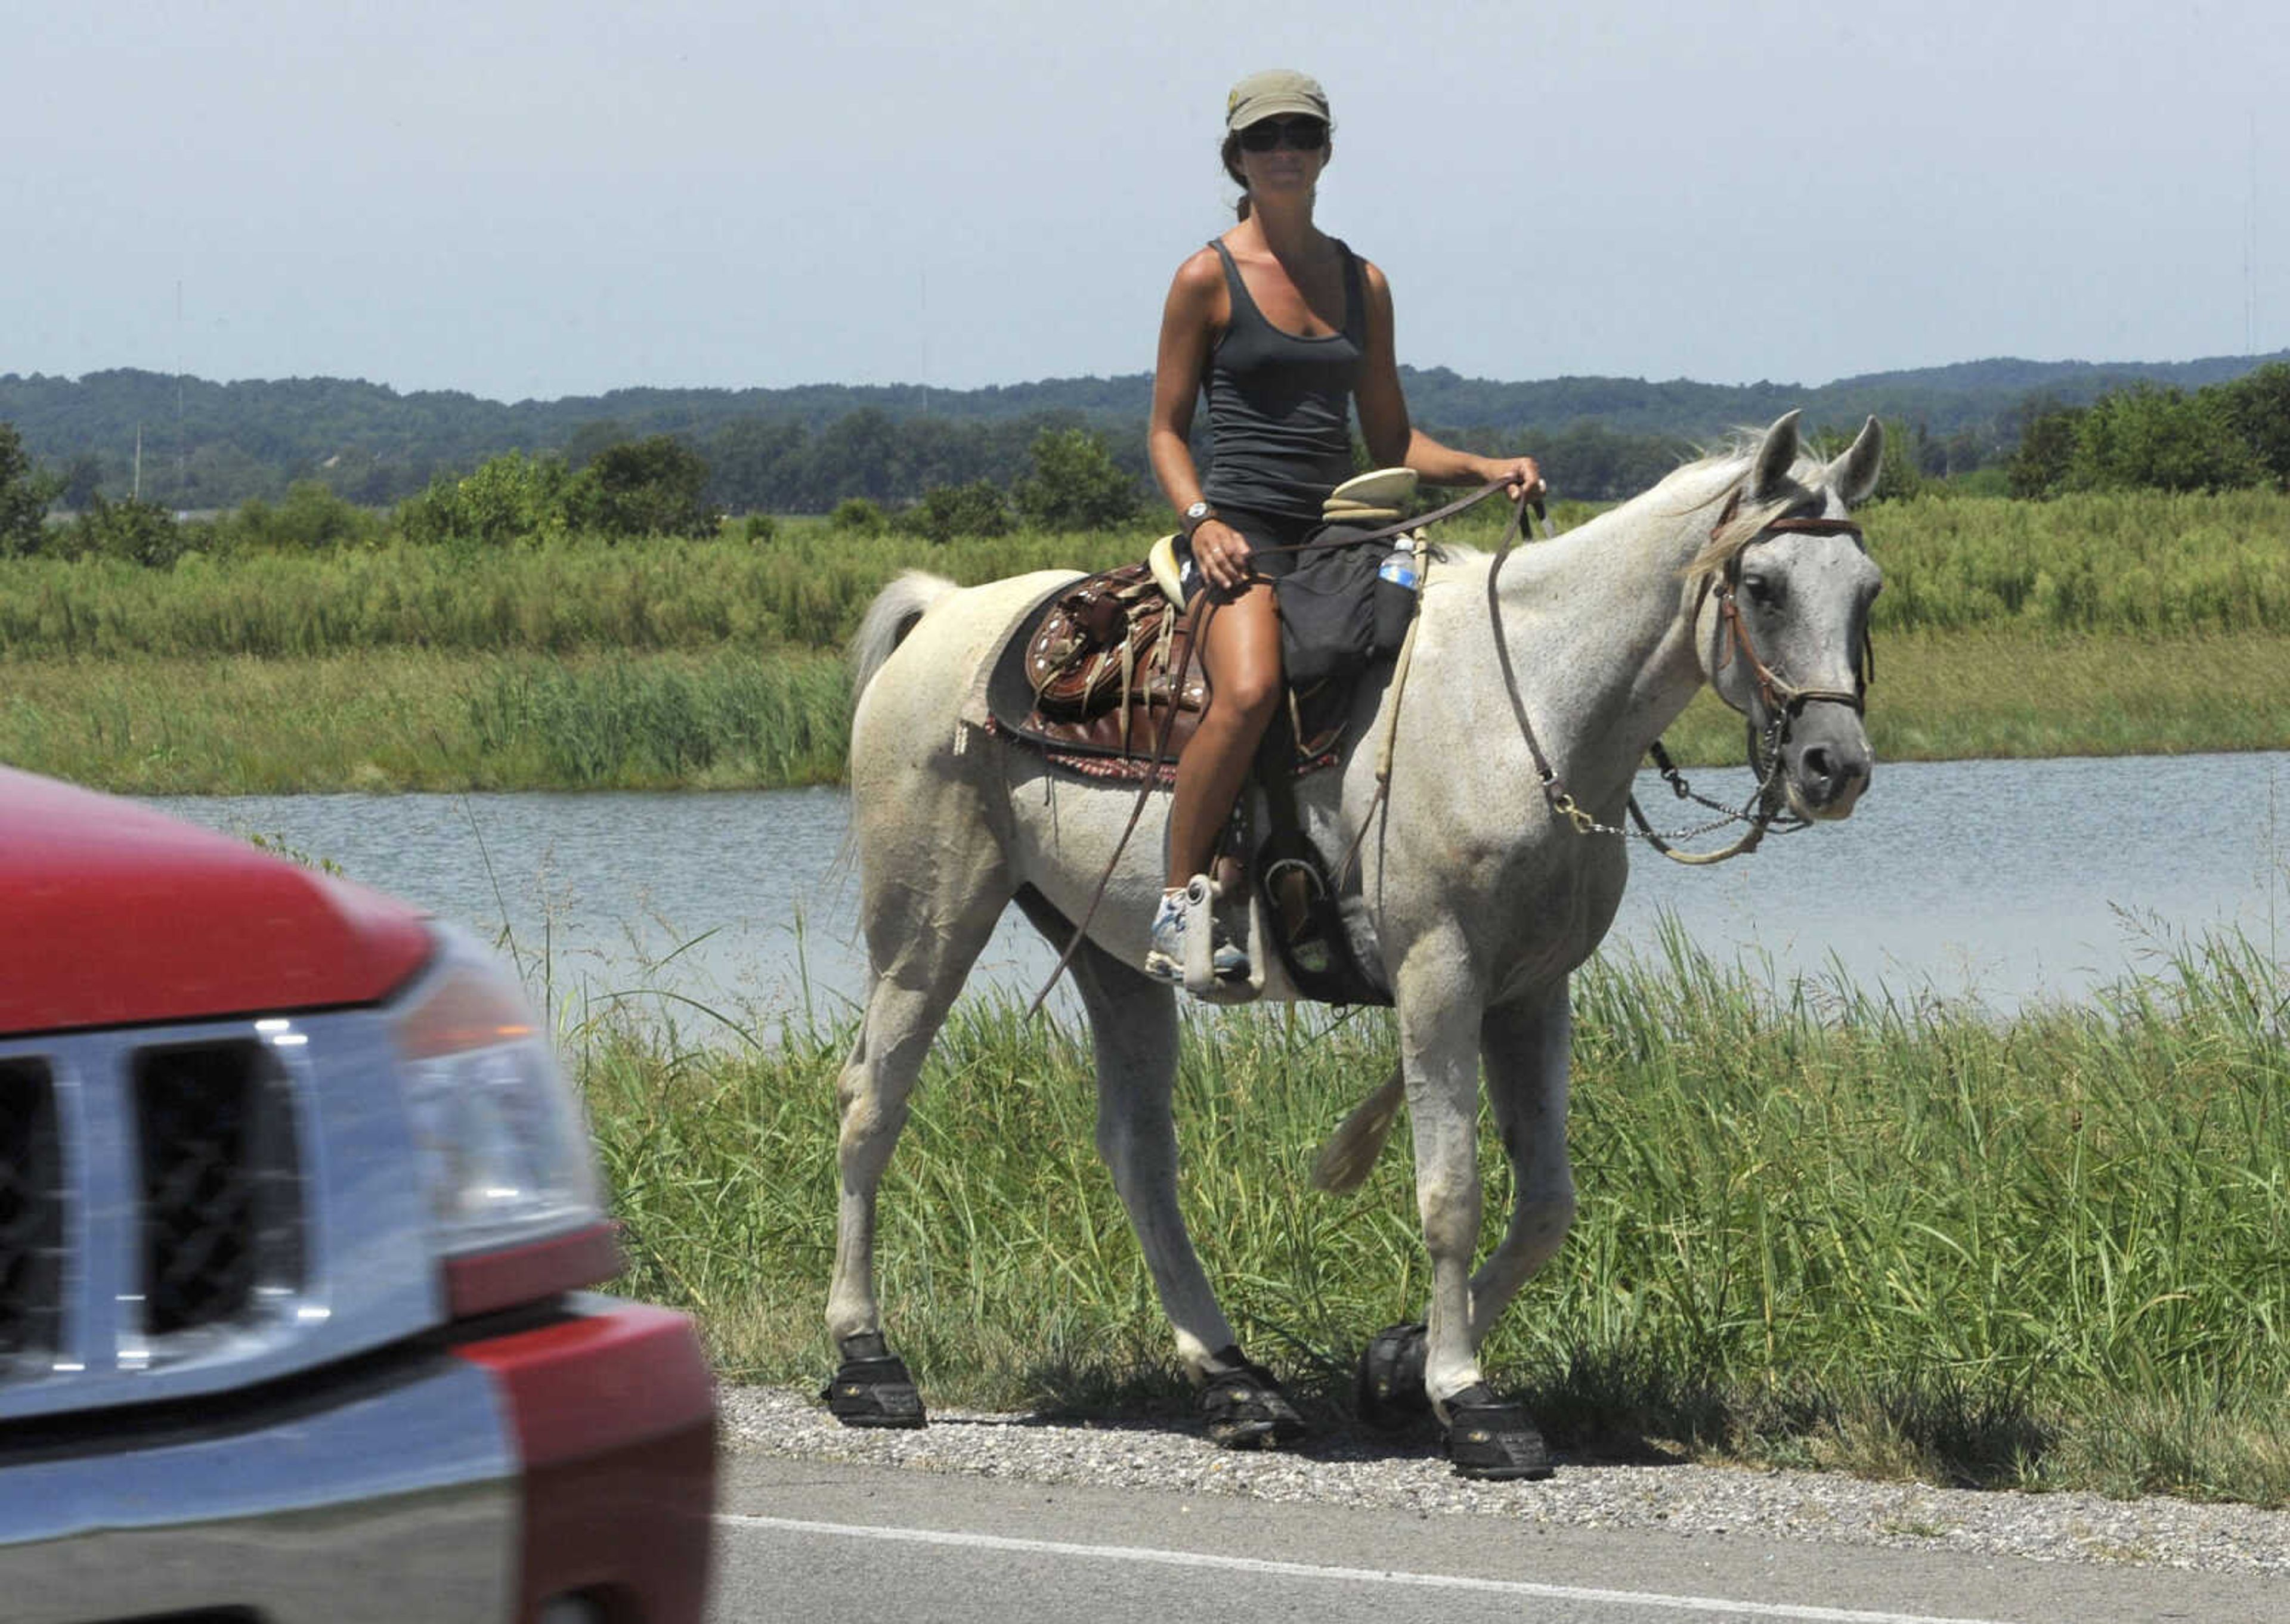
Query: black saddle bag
[1327, 607]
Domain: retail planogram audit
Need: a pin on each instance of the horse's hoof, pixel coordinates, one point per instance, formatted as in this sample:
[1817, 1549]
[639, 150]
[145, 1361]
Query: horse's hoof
[1245, 1406]
[1492, 1441]
[872, 1387]
[1388, 1392]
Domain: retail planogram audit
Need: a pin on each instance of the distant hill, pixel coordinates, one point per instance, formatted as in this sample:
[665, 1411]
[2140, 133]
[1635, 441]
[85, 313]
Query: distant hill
[207, 444]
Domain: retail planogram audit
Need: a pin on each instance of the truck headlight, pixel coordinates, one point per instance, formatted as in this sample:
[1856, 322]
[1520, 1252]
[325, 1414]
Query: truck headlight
[501, 1145]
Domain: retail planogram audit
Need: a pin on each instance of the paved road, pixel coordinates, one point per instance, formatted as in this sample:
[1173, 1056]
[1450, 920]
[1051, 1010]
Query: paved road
[826, 1541]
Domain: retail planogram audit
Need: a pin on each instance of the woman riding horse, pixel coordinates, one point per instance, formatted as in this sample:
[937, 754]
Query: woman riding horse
[1287, 327]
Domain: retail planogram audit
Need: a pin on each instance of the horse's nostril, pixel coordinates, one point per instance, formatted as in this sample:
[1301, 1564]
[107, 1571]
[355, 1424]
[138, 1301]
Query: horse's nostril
[1819, 765]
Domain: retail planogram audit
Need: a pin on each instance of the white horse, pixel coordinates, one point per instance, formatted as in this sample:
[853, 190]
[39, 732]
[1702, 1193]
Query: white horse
[1476, 898]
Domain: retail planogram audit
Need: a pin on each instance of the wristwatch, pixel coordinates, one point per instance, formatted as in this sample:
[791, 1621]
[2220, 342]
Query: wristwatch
[1193, 518]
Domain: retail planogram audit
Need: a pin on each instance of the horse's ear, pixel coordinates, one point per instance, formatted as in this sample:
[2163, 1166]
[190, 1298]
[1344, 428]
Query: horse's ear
[1854, 475]
[1777, 455]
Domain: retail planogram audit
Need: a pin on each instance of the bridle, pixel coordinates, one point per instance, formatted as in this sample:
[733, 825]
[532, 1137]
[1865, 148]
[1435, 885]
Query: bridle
[1781, 699]
[1776, 695]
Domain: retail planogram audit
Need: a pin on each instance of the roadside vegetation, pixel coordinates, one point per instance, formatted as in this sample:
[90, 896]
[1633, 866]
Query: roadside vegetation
[2095, 623]
[592, 621]
[1819, 1225]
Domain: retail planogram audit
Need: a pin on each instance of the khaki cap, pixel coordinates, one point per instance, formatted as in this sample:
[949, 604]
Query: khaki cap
[1272, 92]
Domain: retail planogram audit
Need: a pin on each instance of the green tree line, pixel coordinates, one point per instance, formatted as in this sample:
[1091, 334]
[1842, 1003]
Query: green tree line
[2225, 437]
[619, 491]
[942, 478]
[192, 443]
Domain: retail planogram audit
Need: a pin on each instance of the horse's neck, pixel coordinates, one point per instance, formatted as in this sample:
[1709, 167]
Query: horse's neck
[1599, 633]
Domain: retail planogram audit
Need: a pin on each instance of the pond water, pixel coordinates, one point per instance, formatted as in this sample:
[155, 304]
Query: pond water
[2003, 881]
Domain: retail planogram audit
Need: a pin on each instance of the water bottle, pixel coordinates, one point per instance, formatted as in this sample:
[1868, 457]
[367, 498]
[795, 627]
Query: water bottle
[1395, 595]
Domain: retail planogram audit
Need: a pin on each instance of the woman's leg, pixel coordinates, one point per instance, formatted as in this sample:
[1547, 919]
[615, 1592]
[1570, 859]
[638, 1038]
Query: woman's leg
[1241, 653]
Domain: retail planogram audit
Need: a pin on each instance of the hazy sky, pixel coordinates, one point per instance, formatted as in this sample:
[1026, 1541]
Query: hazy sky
[526, 199]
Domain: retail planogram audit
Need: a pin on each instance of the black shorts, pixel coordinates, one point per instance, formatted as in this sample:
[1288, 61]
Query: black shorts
[1264, 531]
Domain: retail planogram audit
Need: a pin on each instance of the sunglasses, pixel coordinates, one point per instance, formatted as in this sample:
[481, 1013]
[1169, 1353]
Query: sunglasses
[1297, 134]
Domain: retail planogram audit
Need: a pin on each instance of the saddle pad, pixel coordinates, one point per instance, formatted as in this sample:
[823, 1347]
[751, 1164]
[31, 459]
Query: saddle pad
[1119, 741]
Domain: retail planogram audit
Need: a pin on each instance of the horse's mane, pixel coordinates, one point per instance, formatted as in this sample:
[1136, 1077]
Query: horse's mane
[1715, 478]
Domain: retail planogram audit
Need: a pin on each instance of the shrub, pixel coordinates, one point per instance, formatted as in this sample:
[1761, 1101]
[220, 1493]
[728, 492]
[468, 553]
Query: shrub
[25, 494]
[856, 516]
[649, 487]
[759, 527]
[511, 497]
[2258, 404]
[948, 511]
[134, 531]
[2161, 439]
[1076, 483]
[2047, 444]
[310, 518]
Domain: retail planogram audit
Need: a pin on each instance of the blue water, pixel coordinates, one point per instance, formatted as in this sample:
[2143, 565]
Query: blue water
[1999, 881]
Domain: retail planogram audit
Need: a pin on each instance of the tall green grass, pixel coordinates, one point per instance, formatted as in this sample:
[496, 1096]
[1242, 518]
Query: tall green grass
[400, 718]
[2091, 625]
[807, 588]
[416, 719]
[2134, 563]
[2119, 563]
[1818, 1226]
[778, 721]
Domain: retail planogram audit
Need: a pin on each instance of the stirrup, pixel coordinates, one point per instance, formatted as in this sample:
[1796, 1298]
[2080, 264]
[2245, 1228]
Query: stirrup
[1297, 889]
[1208, 960]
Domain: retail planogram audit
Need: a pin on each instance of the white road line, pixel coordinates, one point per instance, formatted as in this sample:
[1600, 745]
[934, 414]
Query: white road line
[1380, 1576]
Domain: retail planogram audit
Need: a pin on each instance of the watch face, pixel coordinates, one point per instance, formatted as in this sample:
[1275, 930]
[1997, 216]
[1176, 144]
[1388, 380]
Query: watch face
[1197, 512]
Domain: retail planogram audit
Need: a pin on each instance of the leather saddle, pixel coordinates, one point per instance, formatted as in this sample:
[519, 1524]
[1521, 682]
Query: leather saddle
[1101, 676]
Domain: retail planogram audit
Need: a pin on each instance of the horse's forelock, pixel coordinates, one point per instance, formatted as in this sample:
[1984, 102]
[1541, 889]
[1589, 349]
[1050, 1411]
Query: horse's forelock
[1749, 519]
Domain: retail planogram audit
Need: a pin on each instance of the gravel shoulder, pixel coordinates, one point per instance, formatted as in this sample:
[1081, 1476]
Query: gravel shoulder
[1409, 1475]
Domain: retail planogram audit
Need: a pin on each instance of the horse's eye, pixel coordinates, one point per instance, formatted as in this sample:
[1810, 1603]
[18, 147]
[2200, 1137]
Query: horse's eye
[1763, 590]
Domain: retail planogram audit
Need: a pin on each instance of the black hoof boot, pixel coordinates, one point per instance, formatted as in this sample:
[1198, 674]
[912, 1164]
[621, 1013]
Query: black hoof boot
[1492, 1441]
[871, 1386]
[1388, 1392]
[1244, 1405]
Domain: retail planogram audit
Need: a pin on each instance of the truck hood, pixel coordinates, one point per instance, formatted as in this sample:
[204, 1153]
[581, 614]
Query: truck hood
[111, 914]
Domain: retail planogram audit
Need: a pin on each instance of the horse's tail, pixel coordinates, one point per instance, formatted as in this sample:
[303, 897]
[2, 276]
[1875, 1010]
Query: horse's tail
[1345, 1160]
[888, 619]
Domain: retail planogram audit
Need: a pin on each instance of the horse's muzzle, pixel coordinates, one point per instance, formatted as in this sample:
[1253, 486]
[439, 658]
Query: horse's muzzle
[1826, 761]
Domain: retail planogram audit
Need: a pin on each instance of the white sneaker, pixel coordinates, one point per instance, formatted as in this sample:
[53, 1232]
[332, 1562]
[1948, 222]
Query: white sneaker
[1165, 958]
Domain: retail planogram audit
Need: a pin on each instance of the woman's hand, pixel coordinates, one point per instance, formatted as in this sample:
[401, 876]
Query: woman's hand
[1519, 473]
[1221, 552]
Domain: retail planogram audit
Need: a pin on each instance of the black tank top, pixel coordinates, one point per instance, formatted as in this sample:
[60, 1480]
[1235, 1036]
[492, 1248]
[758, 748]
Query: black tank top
[1279, 406]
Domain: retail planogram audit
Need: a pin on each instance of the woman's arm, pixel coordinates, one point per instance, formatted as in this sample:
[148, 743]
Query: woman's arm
[1188, 321]
[1394, 442]
[1195, 309]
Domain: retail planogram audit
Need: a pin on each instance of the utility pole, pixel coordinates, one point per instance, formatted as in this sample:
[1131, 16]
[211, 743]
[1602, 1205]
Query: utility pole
[182, 451]
[2250, 249]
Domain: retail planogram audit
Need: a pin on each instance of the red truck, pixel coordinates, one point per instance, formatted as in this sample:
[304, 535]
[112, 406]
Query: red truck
[298, 1221]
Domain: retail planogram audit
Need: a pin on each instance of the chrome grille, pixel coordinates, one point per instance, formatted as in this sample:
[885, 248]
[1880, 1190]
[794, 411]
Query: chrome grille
[221, 1212]
[31, 1211]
